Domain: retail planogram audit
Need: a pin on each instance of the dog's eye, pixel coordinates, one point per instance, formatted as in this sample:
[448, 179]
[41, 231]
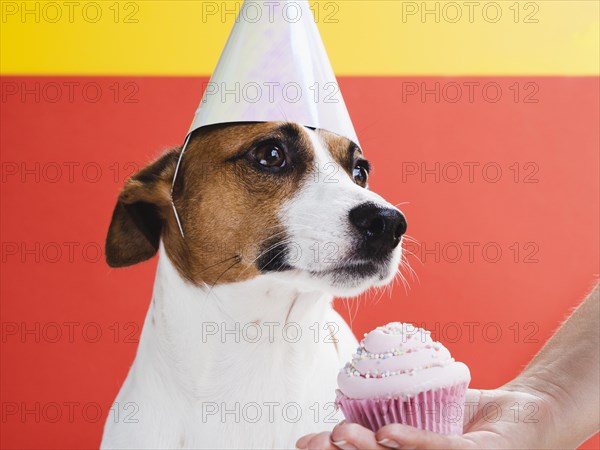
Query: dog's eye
[360, 175]
[270, 155]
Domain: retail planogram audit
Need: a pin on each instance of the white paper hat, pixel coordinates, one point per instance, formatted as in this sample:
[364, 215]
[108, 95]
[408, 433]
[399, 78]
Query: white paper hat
[274, 68]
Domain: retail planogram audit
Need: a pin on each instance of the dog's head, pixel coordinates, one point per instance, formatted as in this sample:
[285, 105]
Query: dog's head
[262, 198]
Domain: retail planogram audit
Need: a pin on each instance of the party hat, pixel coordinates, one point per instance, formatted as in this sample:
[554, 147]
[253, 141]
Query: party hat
[274, 68]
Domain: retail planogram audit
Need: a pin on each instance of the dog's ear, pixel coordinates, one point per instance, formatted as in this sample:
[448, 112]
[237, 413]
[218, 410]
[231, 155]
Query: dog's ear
[134, 231]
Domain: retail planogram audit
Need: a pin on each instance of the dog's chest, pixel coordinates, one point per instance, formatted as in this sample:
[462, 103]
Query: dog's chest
[259, 383]
[273, 395]
[232, 371]
[237, 391]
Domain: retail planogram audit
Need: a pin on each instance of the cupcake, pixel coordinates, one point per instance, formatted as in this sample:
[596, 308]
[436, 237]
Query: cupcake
[400, 375]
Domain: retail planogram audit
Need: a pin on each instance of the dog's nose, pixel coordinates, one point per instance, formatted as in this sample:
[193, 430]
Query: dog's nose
[381, 227]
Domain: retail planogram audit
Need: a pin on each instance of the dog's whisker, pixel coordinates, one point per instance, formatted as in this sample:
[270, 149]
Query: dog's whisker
[217, 301]
[237, 261]
[270, 248]
[411, 271]
[357, 309]
[404, 250]
[408, 238]
[264, 252]
[397, 277]
[380, 291]
[218, 263]
[404, 283]
[410, 268]
[346, 303]
[274, 257]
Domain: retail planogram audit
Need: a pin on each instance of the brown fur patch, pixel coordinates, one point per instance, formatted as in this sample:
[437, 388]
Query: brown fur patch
[228, 207]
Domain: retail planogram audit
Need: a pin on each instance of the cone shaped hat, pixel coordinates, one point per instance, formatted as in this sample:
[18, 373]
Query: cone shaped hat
[275, 68]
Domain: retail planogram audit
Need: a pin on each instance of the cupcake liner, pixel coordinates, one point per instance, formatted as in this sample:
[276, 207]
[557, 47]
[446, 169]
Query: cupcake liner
[439, 410]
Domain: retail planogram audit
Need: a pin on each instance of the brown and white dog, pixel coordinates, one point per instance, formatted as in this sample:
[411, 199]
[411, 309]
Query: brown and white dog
[241, 347]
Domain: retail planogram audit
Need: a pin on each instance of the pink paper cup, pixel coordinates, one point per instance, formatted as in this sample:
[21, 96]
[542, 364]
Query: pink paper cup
[439, 410]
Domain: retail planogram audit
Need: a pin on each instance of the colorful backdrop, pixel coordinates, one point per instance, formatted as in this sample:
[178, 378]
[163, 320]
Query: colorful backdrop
[482, 116]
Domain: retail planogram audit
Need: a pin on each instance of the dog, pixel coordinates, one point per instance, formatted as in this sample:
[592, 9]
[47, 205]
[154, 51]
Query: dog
[241, 347]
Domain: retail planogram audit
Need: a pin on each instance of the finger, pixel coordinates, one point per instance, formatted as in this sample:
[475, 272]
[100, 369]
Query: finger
[302, 443]
[473, 395]
[351, 436]
[320, 442]
[405, 437]
[471, 407]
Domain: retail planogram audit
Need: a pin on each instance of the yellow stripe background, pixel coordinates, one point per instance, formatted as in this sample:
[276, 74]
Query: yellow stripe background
[363, 37]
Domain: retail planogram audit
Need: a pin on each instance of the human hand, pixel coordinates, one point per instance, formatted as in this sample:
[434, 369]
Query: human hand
[507, 418]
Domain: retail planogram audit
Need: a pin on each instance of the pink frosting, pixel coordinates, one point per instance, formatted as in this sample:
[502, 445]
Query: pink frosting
[399, 359]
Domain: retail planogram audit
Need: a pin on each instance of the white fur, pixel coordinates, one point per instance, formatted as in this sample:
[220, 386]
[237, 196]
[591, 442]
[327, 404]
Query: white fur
[184, 377]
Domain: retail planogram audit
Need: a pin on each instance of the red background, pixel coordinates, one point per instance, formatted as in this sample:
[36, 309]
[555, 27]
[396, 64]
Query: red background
[525, 296]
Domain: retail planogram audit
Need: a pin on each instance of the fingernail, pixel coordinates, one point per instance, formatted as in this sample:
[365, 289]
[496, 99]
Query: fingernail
[344, 445]
[388, 443]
